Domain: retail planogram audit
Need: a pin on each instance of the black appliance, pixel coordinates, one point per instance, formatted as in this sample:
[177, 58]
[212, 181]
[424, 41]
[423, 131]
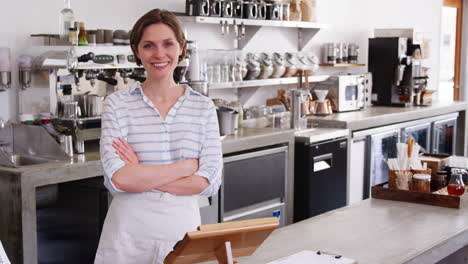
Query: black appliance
[320, 179]
[396, 72]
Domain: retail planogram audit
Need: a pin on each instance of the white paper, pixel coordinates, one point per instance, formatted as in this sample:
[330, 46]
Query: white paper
[3, 257]
[307, 257]
[321, 165]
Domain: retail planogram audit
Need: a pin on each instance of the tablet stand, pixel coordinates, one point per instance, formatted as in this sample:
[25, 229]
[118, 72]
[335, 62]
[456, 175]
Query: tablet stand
[222, 242]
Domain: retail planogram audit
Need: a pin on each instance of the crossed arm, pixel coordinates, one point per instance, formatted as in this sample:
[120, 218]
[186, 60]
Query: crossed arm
[177, 178]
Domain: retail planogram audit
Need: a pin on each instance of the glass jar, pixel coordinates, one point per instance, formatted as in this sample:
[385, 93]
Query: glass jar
[266, 66]
[314, 62]
[278, 65]
[421, 183]
[439, 181]
[303, 62]
[253, 67]
[456, 186]
[290, 65]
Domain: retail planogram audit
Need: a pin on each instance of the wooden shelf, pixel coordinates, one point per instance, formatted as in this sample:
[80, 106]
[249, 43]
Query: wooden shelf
[342, 65]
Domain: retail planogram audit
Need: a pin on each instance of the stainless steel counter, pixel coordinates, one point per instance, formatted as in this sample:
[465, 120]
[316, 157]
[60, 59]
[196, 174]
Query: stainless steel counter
[376, 116]
[373, 231]
[18, 187]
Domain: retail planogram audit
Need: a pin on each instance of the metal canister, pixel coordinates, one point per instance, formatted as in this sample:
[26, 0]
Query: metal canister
[262, 10]
[339, 52]
[330, 51]
[344, 52]
[353, 53]
[250, 10]
[298, 120]
[237, 7]
[66, 142]
[228, 8]
[200, 86]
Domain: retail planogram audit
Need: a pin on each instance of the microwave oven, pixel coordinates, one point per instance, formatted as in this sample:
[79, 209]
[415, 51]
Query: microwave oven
[346, 92]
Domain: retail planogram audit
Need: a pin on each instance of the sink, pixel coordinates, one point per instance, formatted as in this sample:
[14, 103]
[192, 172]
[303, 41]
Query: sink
[19, 160]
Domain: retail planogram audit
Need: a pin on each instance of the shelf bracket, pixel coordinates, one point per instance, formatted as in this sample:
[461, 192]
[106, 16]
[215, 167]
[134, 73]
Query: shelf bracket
[250, 31]
[304, 35]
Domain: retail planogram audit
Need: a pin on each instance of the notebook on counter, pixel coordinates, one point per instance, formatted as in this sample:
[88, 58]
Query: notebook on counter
[315, 257]
[3, 256]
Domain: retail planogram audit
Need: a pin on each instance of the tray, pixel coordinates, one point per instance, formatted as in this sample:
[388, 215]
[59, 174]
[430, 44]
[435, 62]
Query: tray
[438, 198]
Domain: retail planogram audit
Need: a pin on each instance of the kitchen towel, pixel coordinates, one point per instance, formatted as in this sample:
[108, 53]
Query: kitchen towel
[3, 256]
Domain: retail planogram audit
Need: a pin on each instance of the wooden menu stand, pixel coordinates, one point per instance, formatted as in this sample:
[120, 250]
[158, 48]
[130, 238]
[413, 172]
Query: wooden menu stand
[222, 242]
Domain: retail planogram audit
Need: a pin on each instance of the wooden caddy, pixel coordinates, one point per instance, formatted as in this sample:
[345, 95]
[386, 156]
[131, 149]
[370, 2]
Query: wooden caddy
[222, 241]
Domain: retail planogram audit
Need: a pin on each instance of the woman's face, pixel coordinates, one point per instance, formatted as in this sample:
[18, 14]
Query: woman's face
[159, 51]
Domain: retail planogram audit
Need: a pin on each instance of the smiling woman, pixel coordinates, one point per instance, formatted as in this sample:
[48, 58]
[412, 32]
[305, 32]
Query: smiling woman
[160, 148]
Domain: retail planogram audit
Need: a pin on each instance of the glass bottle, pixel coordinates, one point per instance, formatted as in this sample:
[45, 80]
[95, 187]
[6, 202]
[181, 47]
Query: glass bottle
[456, 186]
[82, 36]
[73, 36]
[66, 20]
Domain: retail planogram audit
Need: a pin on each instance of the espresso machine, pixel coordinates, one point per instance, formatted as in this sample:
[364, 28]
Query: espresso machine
[396, 71]
[79, 80]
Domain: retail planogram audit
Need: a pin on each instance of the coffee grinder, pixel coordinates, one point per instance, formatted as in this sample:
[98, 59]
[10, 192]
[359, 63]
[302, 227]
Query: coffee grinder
[396, 73]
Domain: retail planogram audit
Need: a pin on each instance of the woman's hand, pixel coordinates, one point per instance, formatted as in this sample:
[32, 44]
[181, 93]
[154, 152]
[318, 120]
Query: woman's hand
[125, 151]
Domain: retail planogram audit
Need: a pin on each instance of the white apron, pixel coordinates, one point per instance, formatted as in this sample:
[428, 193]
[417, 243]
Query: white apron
[144, 227]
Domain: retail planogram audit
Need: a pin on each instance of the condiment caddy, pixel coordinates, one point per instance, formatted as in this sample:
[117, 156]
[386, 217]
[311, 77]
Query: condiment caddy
[410, 180]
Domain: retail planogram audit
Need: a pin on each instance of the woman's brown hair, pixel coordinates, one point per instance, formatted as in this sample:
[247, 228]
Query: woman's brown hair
[157, 16]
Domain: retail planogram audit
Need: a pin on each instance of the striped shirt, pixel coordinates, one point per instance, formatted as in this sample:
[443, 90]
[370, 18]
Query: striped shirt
[190, 131]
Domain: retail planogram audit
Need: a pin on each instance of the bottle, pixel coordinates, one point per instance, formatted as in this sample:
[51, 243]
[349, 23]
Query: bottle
[73, 36]
[82, 36]
[66, 20]
[456, 186]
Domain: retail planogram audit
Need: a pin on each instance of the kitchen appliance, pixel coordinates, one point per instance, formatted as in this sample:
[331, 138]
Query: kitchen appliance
[320, 174]
[346, 92]
[396, 74]
[79, 73]
[254, 184]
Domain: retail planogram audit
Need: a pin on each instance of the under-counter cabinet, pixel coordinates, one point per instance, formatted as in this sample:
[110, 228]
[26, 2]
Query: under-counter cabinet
[444, 136]
[69, 221]
[320, 177]
[254, 184]
[371, 148]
